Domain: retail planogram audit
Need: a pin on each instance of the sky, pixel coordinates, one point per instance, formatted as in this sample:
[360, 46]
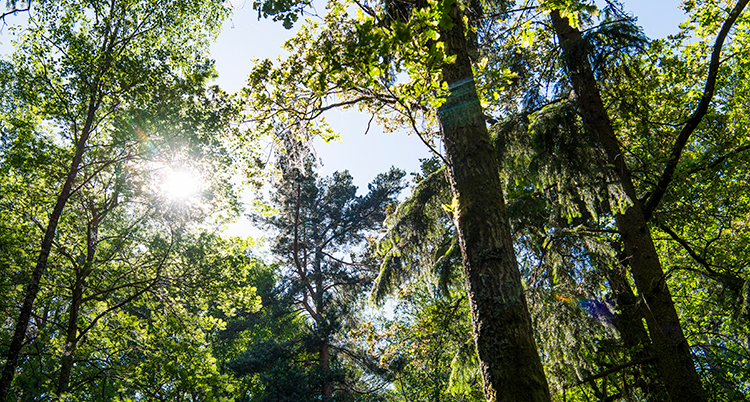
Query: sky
[244, 38]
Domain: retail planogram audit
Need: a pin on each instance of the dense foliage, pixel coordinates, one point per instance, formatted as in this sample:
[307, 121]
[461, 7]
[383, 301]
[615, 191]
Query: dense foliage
[580, 233]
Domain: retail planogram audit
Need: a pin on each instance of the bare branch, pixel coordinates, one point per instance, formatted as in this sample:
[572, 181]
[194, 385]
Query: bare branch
[14, 11]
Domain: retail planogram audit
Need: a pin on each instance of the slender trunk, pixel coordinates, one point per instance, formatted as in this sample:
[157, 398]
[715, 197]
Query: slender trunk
[32, 289]
[71, 338]
[510, 364]
[674, 361]
[76, 300]
[324, 359]
[324, 350]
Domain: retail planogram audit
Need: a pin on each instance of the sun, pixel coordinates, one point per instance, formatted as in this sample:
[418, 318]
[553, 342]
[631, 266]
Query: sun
[180, 184]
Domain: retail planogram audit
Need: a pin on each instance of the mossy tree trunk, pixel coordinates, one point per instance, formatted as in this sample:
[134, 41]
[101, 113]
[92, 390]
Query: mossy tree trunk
[510, 364]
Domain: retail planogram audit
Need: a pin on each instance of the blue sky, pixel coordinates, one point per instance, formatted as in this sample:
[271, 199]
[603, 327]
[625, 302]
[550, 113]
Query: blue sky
[245, 38]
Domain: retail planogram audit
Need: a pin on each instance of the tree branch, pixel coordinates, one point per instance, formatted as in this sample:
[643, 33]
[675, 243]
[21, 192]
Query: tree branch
[698, 114]
[685, 245]
[718, 160]
[14, 11]
[611, 371]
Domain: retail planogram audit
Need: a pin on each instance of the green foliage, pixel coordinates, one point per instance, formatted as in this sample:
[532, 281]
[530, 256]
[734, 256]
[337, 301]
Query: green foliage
[155, 288]
[420, 237]
[428, 346]
[287, 11]
[353, 58]
[136, 285]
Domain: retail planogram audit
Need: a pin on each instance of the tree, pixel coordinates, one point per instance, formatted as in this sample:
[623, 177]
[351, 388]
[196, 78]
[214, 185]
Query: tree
[674, 360]
[428, 343]
[259, 345]
[130, 272]
[81, 68]
[317, 223]
[587, 91]
[370, 52]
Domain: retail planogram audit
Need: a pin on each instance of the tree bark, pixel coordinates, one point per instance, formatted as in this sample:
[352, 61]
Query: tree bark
[76, 301]
[504, 338]
[71, 338]
[324, 359]
[324, 352]
[629, 323]
[674, 360]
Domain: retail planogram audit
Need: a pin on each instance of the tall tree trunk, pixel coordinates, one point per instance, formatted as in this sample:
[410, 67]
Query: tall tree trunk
[674, 361]
[32, 289]
[509, 361]
[629, 320]
[629, 323]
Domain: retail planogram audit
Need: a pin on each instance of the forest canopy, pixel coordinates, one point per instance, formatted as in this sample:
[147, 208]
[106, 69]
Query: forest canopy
[578, 233]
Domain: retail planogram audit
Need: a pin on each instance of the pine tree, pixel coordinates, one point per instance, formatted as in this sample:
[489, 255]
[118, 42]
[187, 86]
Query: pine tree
[319, 221]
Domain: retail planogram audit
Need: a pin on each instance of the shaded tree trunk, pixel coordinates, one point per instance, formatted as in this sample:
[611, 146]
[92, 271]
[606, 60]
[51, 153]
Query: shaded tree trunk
[71, 338]
[629, 323]
[325, 368]
[674, 360]
[510, 364]
[324, 351]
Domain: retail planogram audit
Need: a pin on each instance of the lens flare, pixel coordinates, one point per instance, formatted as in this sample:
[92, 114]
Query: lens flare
[597, 309]
[180, 184]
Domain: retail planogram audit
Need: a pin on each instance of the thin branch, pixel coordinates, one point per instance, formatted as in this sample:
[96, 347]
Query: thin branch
[413, 123]
[505, 13]
[727, 279]
[611, 371]
[689, 249]
[154, 281]
[14, 11]
[321, 109]
[718, 160]
[351, 264]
